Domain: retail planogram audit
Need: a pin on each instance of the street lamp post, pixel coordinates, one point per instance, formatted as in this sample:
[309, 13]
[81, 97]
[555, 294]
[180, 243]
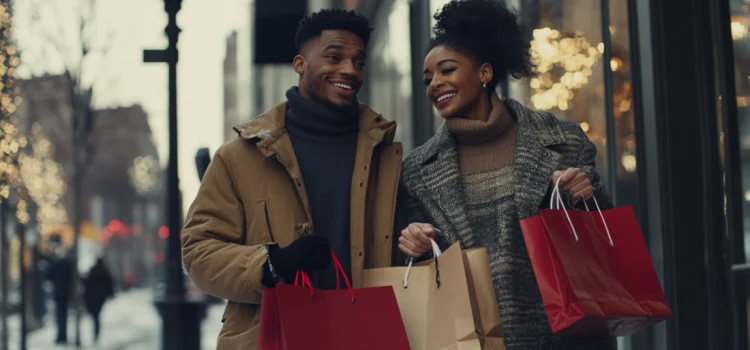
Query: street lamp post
[181, 317]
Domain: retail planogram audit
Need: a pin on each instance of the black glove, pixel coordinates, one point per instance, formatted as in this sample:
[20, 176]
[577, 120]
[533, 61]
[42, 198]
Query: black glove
[307, 253]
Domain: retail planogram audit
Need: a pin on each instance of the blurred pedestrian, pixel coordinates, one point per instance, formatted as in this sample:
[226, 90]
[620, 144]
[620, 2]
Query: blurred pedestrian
[60, 273]
[317, 172]
[98, 286]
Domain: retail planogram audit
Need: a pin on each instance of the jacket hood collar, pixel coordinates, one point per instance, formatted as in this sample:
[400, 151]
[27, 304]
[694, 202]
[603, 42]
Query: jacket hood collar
[268, 127]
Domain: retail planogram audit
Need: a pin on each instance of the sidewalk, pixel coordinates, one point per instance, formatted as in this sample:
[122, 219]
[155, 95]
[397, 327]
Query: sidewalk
[129, 322]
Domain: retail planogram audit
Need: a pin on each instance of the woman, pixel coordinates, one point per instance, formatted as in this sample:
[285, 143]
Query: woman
[98, 286]
[492, 163]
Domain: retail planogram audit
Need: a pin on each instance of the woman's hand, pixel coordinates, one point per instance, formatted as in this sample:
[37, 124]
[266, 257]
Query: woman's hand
[415, 239]
[575, 182]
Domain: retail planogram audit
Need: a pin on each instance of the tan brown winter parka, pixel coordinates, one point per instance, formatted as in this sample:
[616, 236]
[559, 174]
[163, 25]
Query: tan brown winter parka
[253, 194]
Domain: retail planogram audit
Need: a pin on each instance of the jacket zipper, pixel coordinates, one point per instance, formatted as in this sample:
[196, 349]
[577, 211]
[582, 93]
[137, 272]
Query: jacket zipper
[268, 220]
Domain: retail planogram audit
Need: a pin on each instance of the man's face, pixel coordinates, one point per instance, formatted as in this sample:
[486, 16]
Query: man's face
[331, 68]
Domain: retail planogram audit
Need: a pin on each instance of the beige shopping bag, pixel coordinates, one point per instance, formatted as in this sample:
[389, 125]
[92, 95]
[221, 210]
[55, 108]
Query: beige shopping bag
[483, 302]
[445, 303]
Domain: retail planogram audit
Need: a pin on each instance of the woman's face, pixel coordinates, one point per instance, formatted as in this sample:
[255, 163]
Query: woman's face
[454, 81]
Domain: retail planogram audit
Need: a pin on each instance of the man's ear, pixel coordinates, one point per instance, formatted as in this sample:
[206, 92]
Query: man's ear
[300, 64]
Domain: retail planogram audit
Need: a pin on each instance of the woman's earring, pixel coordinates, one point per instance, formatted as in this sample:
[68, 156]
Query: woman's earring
[484, 85]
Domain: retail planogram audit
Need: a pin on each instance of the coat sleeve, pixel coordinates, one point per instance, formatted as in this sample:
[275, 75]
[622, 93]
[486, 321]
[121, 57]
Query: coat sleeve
[410, 210]
[212, 240]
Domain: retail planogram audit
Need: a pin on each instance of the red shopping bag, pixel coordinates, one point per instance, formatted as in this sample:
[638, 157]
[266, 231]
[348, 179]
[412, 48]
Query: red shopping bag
[594, 271]
[296, 317]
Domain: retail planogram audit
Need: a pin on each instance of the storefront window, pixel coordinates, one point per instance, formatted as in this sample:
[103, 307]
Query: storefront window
[566, 43]
[390, 69]
[622, 98]
[739, 23]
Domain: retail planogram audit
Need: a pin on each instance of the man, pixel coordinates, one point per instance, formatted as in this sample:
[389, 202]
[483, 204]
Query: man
[60, 273]
[315, 173]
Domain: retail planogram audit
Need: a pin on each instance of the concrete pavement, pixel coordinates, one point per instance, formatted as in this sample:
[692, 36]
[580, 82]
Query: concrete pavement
[129, 322]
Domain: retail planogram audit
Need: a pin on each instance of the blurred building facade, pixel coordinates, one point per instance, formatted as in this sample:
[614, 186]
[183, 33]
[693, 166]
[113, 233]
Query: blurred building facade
[230, 77]
[121, 193]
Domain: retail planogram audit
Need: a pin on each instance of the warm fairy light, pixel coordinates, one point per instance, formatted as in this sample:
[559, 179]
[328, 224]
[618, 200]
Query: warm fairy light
[738, 28]
[11, 143]
[144, 174]
[563, 64]
[44, 179]
[26, 164]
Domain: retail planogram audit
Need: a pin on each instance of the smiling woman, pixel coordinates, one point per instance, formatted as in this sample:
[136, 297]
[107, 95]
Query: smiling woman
[492, 163]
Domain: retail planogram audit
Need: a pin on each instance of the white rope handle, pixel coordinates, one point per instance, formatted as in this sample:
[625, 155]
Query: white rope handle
[611, 243]
[556, 194]
[561, 205]
[435, 251]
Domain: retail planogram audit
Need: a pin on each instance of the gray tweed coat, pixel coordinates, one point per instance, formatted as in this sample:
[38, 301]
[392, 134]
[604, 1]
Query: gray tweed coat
[432, 192]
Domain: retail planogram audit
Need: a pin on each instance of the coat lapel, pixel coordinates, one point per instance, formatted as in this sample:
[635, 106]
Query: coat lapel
[442, 176]
[535, 161]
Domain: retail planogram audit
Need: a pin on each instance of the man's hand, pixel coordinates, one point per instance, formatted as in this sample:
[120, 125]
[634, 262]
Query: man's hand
[415, 239]
[575, 182]
[307, 253]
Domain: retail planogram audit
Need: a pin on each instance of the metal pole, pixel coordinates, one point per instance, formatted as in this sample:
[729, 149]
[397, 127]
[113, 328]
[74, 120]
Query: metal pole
[181, 318]
[175, 282]
[423, 121]
[77, 172]
[608, 102]
[4, 277]
[21, 232]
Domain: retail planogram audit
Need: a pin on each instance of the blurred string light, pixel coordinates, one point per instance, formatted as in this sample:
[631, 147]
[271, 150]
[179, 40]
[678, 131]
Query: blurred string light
[738, 27]
[144, 174]
[563, 65]
[44, 180]
[26, 165]
[11, 142]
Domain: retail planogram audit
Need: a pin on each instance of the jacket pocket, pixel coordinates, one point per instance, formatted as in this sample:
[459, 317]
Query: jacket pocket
[268, 220]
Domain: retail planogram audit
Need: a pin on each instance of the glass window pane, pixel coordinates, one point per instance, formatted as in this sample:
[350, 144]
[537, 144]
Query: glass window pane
[567, 47]
[739, 24]
[622, 98]
[390, 64]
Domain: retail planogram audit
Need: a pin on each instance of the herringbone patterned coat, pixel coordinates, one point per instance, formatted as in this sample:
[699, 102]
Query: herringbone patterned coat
[432, 192]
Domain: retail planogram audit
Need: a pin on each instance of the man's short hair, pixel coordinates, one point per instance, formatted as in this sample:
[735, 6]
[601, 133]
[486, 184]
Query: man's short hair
[331, 19]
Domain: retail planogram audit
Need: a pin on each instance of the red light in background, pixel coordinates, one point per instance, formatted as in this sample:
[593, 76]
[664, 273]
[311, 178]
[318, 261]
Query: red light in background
[163, 232]
[115, 226]
[106, 237]
[124, 232]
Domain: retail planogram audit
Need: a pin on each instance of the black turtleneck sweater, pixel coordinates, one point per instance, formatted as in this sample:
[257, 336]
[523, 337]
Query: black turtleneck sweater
[325, 142]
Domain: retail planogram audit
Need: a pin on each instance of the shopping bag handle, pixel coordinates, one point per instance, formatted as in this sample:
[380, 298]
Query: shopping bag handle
[340, 269]
[436, 252]
[561, 205]
[303, 279]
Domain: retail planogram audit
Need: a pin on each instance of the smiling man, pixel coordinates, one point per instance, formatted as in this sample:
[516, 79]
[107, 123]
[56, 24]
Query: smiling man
[317, 172]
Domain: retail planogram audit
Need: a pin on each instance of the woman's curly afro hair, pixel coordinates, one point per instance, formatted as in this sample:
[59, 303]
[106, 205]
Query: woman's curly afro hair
[489, 32]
